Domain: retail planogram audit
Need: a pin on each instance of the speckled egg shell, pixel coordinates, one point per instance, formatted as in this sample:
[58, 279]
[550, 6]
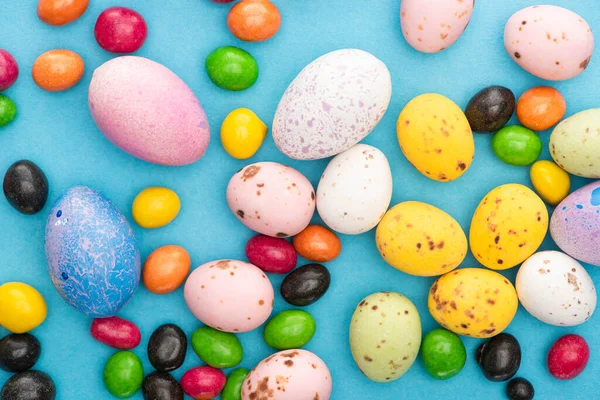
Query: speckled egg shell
[575, 224]
[333, 103]
[229, 295]
[550, 42]
[93, 258]
[431, 26]
[355, 190]
[556, 289]
[271, 199]
[574, 144]
[146, 110]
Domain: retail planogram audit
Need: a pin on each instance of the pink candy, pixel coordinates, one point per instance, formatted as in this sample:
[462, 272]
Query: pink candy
[9, 70]
[120, 30]
[116, 332]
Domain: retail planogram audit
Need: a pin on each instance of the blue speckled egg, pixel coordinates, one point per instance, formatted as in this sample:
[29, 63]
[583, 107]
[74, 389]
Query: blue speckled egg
[92, 255]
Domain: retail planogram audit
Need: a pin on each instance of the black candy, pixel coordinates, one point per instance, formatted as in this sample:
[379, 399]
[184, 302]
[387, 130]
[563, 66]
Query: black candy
[161, 386]
[490, 109]
[167, 348]
[305, 285]
[26, 187]
[499, 357]
[19, 353]
[520, 389]
[29, 385]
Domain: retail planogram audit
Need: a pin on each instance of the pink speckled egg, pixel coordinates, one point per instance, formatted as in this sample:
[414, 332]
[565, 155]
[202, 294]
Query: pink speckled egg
[146, 110]
[575, 224]
[333, 103]
[431, 26]
[229, 295]
[549, 42]
[289, 375]
[272, 199]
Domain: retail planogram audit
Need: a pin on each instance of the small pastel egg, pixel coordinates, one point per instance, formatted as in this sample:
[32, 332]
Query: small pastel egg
[120, 30]
[317, 243]
[551, 182]
[155, 207]
[516, 145]
[61, 12]
[254, 20]
[231, 68]
[9, 70]
[272, 255]
[165, 269]
[541, 108]
[242, 133]
[490, 109]
[58, 70]
[22, 307]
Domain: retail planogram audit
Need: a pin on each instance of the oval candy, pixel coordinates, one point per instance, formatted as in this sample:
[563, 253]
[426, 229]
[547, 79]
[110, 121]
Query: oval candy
[26, 187]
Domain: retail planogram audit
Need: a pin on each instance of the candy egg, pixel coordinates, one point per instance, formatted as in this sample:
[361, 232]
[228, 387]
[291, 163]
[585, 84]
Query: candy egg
[254, 20]
[550, 181]
[520, 389]
[57, 70]
[242, 133]
[22, 307]
[541, 108]
[120, 30]
[290, 329]
[165, 269]
[490, 109]
[61, 12]
[155, 207]
[9, 70]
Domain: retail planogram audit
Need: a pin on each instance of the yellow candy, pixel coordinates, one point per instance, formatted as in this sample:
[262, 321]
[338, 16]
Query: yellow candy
[550, 181]
[154, 207]
[242, 133]
[22, 307]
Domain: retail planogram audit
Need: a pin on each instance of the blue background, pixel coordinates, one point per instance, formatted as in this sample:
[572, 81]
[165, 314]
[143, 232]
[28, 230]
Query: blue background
[55, 131]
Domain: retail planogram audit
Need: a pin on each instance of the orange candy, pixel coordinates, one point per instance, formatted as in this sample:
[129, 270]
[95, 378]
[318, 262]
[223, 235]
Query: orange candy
[541, 108]
[317, 243]
[254, 20]
[61, 12]
[58, 70]
[166, 269]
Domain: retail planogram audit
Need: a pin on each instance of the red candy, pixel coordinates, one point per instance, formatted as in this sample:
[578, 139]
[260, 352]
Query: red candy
[568, 357]
[9, 70]
[203, 382]
[116, 332]
[273, 255]
[120, 30]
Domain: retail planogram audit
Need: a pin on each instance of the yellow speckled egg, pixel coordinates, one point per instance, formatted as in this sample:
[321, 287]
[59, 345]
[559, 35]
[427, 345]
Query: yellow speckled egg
[154, 207]
[435, 137]
[420, 239]
[550, 181]
[473, 302]
[509, 225]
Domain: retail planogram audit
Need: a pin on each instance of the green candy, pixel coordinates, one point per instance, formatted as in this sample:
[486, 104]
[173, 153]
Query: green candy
[123, 374]
[232, 68]
[516, 145]
[233, 387]
[443, 354]
[8, 110]
[290, 329]
[217, 349]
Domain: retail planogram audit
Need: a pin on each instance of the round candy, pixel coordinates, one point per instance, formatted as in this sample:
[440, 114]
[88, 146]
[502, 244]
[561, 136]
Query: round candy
[203, 382]
[550, 181]
[167, 347]
[166, 268]
[490, 109]
[123, 374]
[34, 385]
[217, 349]
[444, 354]
[120, 30]
[116, 332]
[58, 70]
[568, 357]
[519, 389]
[516, 145]
[161, 386]
[317, 243]
[254, 20]
[273, 255]
[233, 387]
[499, 357]
[232, 68]
[61, 12]
[305, 285]
[9, 70]
[290, 329]
[19, 352]
[242, 133]
[26, 187]
[541, 108]
[22, 307]
[155, 207]
[8, 110]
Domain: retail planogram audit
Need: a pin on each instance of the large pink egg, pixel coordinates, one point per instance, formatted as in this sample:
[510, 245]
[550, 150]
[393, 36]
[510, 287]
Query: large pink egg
[271, 199]
[146, 110]
[229, 295]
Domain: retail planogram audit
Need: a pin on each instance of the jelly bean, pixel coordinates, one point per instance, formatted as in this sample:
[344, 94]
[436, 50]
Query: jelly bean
[568, 357]
[120, 30]
[516, 145]
[217, 349]
[233, 387]
[166, 269]
[273, 255]
[290, 329]
[550, 181]
[305, 285]
[254, 20]
[58, 70]
[8, 111]
[242, 133]
[116, 332]
[19, 352]
[26, 187]
[61, 12]
[22, 307]
[541, 108]
[202, 383]
[155, 207]
[29, 385]
[444, 354]
[232, 68]
[490, 109]
[167, 348]
[123, 374]
[520, 389]
[161, 386]
[499, 357]
[317, 243]
[9, 70]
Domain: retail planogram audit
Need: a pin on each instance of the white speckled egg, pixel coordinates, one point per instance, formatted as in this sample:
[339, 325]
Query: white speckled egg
[556, 289]
[549, 42]
[289, 375]
[333, 103]
[272, 199]
[431, 26]
[355, 190]
[229, 295]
